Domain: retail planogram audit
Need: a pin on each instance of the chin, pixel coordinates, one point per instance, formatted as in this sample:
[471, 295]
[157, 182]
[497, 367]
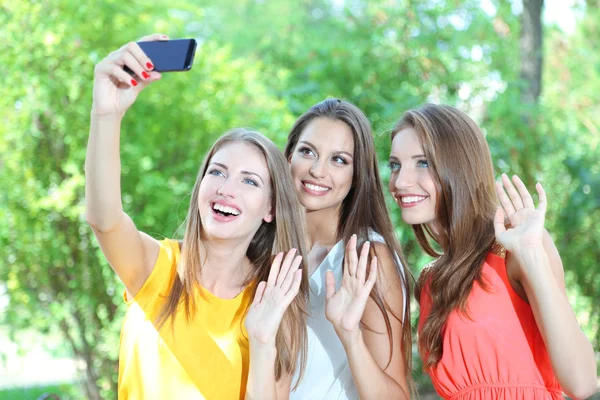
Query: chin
[414, 219]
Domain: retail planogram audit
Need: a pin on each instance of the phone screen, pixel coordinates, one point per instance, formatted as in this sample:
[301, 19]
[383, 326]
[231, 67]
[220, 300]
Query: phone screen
[170, 55]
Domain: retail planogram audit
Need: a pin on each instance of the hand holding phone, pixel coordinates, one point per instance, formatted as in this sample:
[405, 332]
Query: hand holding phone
[169, 55]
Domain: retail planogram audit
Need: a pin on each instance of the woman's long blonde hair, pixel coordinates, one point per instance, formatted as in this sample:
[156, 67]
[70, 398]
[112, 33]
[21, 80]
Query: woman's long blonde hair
[286, 231]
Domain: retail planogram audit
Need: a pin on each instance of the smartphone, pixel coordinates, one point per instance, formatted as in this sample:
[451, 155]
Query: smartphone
[170, 55]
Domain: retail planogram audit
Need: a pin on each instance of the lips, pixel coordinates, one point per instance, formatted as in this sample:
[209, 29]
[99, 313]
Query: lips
[315, 189]
[223, 211]
[410, 200]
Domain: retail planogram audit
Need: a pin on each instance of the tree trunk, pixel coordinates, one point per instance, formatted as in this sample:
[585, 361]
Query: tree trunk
[531, 51]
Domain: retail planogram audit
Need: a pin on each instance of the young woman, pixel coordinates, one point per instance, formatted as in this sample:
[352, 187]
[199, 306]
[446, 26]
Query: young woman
[358, 343]
[495, 322]
[190, 331]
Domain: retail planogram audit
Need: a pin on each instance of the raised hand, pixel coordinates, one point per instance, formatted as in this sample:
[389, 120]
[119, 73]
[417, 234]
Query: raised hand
[273, 298]
[115, 90]
[526, 222]
[344, 308]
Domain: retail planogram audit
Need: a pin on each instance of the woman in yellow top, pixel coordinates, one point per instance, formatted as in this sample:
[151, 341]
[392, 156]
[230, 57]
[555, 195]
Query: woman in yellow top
[198, 326]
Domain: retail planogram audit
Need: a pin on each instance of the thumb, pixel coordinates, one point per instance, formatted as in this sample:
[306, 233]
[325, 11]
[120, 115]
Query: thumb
[330, 284]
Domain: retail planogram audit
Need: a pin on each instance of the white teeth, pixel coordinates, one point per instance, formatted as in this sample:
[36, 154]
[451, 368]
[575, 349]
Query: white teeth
[316, 188]
[225, 209]
[412, 199]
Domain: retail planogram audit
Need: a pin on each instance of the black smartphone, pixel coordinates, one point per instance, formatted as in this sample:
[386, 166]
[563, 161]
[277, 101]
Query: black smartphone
[170, 55]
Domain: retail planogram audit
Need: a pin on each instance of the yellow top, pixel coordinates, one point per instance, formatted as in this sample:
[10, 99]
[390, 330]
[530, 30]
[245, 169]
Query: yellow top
[205, 358]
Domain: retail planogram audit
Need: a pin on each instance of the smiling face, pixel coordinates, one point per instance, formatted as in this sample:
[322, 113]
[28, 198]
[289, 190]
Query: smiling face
[322, 164]
[234, 196]
[411, 183]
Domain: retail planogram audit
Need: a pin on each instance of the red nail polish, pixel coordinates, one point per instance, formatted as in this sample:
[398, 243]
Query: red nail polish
[149, 65]
[145, 75]
[134, 82]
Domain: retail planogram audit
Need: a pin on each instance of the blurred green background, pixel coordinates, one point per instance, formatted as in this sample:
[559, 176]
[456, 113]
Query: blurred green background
[528, 73]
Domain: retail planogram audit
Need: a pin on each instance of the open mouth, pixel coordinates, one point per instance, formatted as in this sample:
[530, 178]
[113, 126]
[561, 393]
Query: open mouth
[410, 201]
[316, 189]
[225, 211]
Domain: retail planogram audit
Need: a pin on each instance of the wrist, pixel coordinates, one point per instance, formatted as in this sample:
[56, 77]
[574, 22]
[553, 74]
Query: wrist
[350, 339]
[260, 350]
[103, 115]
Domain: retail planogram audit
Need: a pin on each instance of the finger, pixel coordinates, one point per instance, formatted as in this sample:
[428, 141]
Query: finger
[295, 287]
[274, 270]
[260, 291]
[142, 57]
[543, 203]
[287, 282]
[523, 192]
[372, 275]
[115, 71]
[133, 64]
[504, 200]
[285, 267]
[351, 256]
[515, 198]
[361, 271]
[329, 284]
[499, 227]
[153, 37]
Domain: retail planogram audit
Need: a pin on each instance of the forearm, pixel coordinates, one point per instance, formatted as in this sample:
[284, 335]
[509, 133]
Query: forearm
[261, 375]
[571, 353]
[103, 172]
[370, 380]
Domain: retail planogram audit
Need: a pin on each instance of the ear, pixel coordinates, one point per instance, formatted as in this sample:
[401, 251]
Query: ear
[270, 216]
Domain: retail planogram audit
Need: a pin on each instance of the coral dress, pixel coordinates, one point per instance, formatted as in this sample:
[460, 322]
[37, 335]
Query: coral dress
[497, 354]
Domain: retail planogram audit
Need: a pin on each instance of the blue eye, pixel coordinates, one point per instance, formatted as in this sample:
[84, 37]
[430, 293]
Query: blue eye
[250, 181]
[215, 172]
[394, 166]
[422, 164]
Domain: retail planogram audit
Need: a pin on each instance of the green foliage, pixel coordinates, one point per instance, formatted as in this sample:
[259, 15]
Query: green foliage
[261, 64]
[65, 392]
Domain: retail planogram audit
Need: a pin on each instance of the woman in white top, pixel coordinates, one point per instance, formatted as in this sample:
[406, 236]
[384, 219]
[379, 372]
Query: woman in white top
[358, 346]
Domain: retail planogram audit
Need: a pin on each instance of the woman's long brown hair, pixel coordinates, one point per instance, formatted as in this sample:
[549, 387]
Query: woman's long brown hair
[286, 231]
[461, 168]
[363, 210]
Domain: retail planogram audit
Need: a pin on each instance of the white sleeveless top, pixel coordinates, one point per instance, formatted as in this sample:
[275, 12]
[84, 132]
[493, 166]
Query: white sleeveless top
[327, 375]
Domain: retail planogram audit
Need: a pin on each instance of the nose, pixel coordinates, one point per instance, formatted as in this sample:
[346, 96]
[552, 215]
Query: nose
[227, 188]
[403, 179]
[319, 169]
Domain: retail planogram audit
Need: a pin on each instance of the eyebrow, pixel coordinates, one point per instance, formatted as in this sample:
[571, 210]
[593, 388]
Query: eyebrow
[243, 172]
[338, 152]
[413, 157]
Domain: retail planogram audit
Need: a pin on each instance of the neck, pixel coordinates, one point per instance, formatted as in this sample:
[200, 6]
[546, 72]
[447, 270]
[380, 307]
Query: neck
[225, 266]
[323, 226]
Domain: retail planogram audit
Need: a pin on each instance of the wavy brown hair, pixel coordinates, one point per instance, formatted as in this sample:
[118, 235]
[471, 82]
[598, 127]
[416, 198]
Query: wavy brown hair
[363, 210]
[461, 168]
[286, 231]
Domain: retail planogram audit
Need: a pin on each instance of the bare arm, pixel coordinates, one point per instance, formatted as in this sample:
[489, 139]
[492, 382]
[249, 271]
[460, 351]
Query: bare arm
[368, 350]
[375, 374]
[539, 270]
[131, 254]
[262, 323]
[571, 353]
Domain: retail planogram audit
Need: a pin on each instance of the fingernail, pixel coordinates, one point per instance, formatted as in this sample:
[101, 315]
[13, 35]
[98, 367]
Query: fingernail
[164, 36]
[145, 75]
[149, 65]
[134, 82]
